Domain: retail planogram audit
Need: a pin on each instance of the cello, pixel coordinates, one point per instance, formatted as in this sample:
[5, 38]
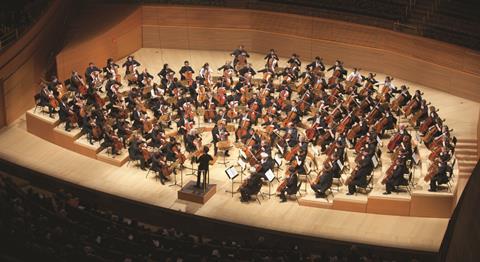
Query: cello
[344, 123]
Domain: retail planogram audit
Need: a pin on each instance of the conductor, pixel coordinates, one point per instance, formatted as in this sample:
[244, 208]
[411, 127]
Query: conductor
[203, 164]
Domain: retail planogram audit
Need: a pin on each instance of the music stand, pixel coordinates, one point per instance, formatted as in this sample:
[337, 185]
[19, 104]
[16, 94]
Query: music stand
[243, 167]
[191, 168]
[231, 174]
[181, 178]
[270, 177]
[280, 149]
[278, 163]
[224, 149]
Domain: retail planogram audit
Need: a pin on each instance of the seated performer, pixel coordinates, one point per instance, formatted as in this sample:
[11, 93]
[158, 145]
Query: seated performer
[324, 181]
[290, 186]
[398, 169]
[359, 175]
[219, 133]
[252, 186]
[109, 140]
[158, 164]
[64, 113]
[134, 152]
[267, 163]
[440, 176]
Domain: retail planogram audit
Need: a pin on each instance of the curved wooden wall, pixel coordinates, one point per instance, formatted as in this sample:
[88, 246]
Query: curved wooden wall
[120, 38]
[427, 62]
[23, 63]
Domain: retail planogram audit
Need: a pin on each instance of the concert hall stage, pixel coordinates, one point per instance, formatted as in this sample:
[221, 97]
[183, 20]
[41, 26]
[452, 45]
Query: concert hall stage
[417, 221]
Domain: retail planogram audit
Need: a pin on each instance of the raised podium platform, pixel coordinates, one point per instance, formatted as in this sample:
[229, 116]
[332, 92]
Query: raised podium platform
[193, 194]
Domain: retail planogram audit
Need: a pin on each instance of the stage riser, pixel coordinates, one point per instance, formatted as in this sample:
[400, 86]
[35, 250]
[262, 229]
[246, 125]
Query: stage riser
[40, 127]
[349, 206]
[428, 206]
[387, 206]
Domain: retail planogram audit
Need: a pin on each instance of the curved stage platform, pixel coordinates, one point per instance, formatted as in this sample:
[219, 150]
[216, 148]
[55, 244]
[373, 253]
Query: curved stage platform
[417, 221]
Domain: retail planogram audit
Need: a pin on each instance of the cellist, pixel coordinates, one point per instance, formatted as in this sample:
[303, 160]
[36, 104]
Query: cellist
[324, 180]
[219, 133]
[395, 175]
[48, 99]
[185, 69]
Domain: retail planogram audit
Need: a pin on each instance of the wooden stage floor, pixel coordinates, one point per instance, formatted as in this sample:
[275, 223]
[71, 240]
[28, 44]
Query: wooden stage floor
[418, 233]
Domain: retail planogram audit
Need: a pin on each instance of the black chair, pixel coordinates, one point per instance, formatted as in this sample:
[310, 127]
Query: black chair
[38, 103]
[296, 191]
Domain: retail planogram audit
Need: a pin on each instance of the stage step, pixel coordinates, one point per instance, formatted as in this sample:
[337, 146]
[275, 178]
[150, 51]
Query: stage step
[466, 146]
[117, 160]
[467, 140]
[82, 146]
[40, 124]
[311, 201]
[467, 157]
[464, 174]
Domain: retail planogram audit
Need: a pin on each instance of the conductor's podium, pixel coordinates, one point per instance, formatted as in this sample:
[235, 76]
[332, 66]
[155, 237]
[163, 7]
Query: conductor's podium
[40, 124]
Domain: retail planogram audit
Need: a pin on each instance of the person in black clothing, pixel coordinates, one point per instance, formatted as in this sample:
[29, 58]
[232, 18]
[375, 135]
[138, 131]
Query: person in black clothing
[294, 60]
[45, 96]
[237, 52]
[440, 177]
[253, 186]
[185, 68]
[247, 69]
[130, 61]
[365, 168]
[203, 165]
[396, 178]
[134, 152]
[318, 63]
[64, 113]
[291, 186]
[330, 170]
[219, 133]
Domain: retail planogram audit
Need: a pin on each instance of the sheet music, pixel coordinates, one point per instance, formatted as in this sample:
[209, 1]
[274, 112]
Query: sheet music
[374, 161]
[231, 172]
[241, 163]
[270, 176]
[379, 141]
[416, 159]
[315, 151]
[278, 160]
[280, 149]
[242, 154]
[339, 163]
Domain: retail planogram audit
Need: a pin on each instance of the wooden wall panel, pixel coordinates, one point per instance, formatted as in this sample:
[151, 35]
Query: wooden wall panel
[424, 61]
[120, 40]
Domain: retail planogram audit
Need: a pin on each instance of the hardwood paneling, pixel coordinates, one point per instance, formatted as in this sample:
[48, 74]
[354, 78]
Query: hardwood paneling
[428, 62]
[119, 40]
[25, 62]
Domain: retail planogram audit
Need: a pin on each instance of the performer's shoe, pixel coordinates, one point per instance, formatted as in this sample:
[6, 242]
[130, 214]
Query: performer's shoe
[349, 194]
[387, 193]
[431, 190]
